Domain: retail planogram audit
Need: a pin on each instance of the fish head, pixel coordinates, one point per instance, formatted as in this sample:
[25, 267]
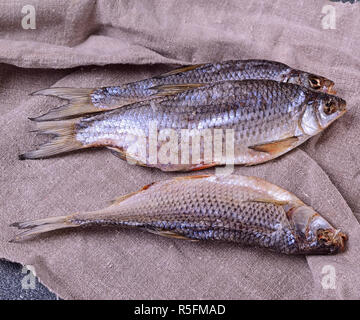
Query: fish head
[314, 233]
[320, 112]
[312, 81]
[319, 83]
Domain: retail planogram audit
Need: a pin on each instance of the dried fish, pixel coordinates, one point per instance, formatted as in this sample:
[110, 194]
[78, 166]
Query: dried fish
[262, 118]
[84, 100]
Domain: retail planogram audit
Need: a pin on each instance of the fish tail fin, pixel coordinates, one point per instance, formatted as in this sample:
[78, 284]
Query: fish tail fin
[79, 103]
[35, 227]
[64, 141]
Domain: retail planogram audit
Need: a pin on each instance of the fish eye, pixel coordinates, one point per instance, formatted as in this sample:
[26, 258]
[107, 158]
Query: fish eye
[330, 107]
[315, 83]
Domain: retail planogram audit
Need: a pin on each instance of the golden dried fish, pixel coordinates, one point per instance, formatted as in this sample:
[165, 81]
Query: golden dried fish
[259, 119]
[89, 100]
[232, 208]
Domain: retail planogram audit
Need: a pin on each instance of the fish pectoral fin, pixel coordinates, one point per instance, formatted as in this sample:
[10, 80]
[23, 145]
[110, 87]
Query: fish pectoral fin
[170, 89]
[180, 70]
[120, 153]
[276, 147]
[169, 234]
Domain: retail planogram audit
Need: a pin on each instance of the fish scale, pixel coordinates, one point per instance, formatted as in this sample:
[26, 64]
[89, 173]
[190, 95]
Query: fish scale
[250, 123]
[132, 112]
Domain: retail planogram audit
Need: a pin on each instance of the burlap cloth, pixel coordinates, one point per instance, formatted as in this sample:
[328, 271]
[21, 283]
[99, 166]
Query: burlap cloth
[143, 37]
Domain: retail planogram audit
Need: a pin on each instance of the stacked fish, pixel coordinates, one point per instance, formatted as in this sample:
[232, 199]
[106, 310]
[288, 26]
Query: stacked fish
[182, 121]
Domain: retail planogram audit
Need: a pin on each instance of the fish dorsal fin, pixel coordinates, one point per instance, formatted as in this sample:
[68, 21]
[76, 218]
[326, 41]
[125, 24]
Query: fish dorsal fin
[116, 201]
[170, 89]
[269, 200]
[180, 70]
[276, 147]
[122, 198]
[169, 234]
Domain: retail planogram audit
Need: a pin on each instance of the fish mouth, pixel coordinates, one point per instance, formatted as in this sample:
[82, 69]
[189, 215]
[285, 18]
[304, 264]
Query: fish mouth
[343, 106]
[341, 112]
[340, 240]
[329, 87]
[342, 109]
